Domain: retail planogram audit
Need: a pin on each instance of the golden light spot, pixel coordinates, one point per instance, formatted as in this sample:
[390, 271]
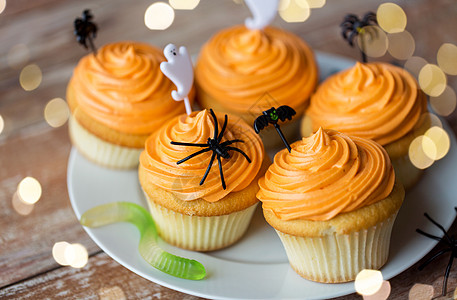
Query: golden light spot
[316, 3]
[20, 206]
[401, 45]
[382, 294]
[447, 58]
[184, 4]
[294, 12]
[368, 282]
[58, 252]
[56, 112]
[2, 124]
[391, 17]
[421, 292]
[429, 147]
[440, 140]
[283, 4]
[159, 16]
[18, 56]
[2, 5]
[373, 41]
[30, 77]
[426, 121]
[432, 80]
[29, 190]
[76, 255]
[111, 293]
[445, 103]
[417, 155]
[414, 65]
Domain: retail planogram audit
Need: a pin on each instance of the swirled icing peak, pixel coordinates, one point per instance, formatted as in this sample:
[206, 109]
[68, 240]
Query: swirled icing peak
[160, 156]
[123, 88]
[240, 65]
[326, 174]
[378, 101]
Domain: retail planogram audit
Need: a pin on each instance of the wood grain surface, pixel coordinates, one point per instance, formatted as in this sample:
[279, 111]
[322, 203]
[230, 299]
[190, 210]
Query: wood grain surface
[30, 147]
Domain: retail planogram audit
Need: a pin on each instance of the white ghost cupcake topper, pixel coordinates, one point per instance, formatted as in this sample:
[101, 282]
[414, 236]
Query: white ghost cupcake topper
[178, 68]
[263, 13]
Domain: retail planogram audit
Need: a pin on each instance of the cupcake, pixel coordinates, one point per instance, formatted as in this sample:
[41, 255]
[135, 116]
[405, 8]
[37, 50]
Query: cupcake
[377, 101]
[192, 210]
[243, 72]
[333, 201]
[117, 98]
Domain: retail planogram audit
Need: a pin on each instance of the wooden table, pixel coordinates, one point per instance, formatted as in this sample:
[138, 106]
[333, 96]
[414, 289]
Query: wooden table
[30, 147]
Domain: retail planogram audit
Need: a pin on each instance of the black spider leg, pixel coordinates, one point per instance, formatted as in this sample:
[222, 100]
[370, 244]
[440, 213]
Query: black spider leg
[220, 171]
[193, 155]
[219, 138]
[240, 151]
[208, 168]
[447, 240]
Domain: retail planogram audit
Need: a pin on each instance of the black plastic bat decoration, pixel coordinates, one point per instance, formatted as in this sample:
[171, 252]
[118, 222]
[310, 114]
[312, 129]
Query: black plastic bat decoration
[214, 144]
[451, 246]
[353, 26]
[272, 116]
[85, 29]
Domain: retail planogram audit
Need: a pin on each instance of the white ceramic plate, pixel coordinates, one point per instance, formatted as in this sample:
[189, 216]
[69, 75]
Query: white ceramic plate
[257, 267]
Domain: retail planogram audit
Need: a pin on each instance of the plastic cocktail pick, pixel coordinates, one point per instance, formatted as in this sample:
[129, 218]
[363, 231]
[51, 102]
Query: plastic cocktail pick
[149, 249]
[178, 68]
[263, 13]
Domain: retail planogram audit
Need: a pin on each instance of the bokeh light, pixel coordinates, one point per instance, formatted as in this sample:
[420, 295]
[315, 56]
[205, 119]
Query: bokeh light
[2, 5]
[447, 58]
[58, 252]
[417, 155]
[2, 124]
[373, 41]
[441, 143]
[432, 80]
[76, 255]
[184, 4]
[293, 12]
[382, 294]
[56, 112]
[427, 120]
[445, 103]
[159, 16]
[29, 190]
[391, 17]
[316, 3]
[401, 45]
[368, 282]
[414, 65]
[110, 293]
[421, 292]
[30, 77]
[18, 56]
[20, 206]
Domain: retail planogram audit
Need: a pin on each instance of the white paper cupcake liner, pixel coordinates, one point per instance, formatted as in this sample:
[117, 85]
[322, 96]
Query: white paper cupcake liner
[200, 233]
[102, 152]
[339, 258]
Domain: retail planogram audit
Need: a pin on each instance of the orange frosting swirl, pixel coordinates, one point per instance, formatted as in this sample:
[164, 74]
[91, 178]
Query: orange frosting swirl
[326, 174]
[123, 88]
[377, 101]
[160, 156]
[239, 66]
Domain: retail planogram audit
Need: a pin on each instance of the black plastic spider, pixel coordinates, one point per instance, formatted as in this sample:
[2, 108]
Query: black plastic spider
[272, 116]
[85, 29]
[353, 26]
[214, 144]
[450, 241]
